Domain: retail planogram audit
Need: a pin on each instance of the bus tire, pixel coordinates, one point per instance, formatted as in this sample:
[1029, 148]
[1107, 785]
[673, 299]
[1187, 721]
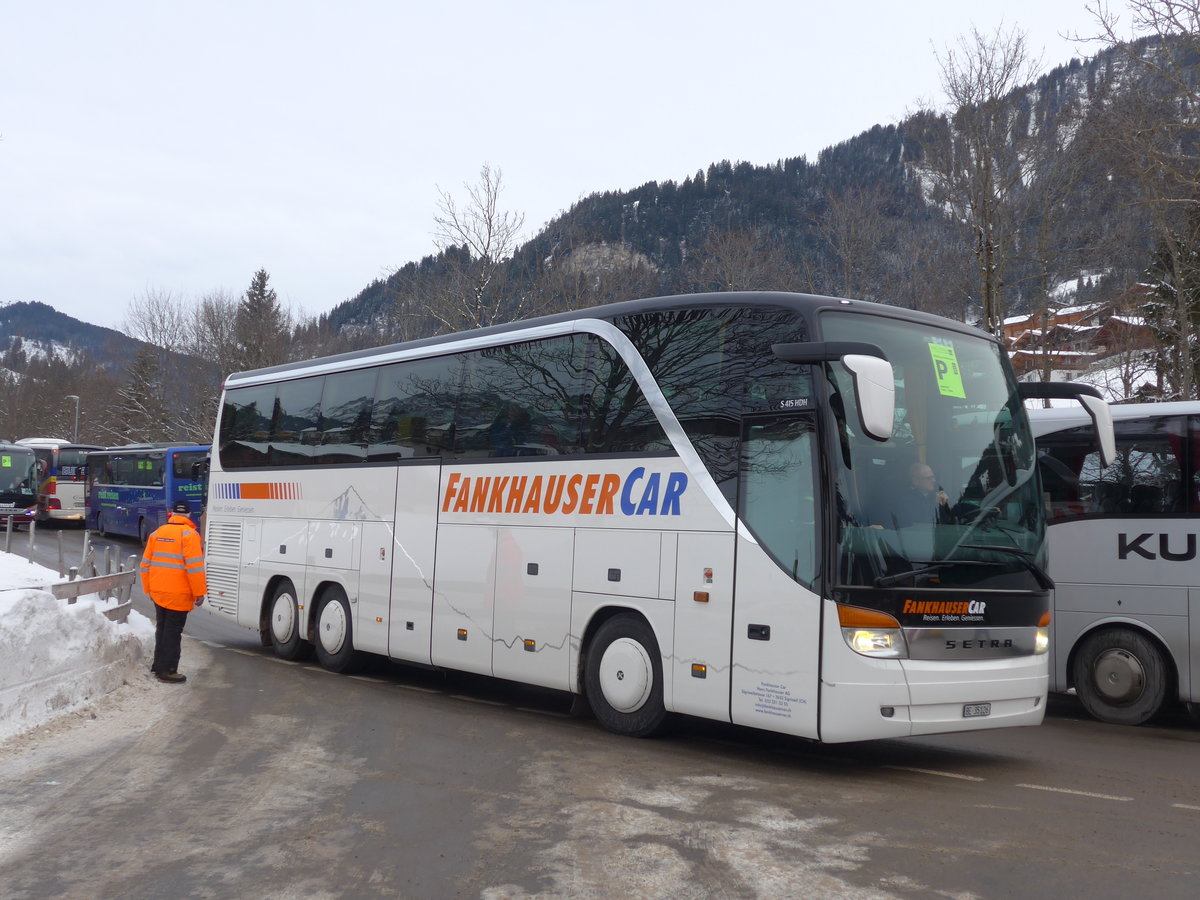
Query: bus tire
[1120, 676]
[284, 613]
[100, 524]
[143, 533]
[335, 632]
[623, 677]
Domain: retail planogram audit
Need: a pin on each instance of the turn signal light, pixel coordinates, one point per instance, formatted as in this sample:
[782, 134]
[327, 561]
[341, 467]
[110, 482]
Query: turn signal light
[872, 633]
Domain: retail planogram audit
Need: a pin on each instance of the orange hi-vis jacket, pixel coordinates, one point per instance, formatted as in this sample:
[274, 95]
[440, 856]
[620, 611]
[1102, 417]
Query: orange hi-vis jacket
[173, 565]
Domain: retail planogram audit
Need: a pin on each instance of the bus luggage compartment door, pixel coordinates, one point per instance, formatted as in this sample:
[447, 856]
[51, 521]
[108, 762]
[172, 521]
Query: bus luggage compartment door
[703, 616]
[533, 606]
[464, 592]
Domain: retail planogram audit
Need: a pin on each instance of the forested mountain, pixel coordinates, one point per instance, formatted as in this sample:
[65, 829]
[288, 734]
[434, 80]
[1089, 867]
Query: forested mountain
[868, 218]
[36, 330]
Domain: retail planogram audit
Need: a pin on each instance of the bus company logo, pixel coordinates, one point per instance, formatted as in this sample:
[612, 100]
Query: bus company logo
[637, 494]
[263, 490]
[945, 607]
[1137, 547]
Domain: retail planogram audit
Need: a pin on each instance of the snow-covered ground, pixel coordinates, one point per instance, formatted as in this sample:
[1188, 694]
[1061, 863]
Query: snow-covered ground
[56, 657]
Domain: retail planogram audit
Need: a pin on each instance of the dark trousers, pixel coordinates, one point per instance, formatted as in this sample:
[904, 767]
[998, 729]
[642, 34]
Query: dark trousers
[168, 634]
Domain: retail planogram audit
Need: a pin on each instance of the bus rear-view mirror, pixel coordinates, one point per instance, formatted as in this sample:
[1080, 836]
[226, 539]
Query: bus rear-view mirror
[1093, 403]
[874, 381]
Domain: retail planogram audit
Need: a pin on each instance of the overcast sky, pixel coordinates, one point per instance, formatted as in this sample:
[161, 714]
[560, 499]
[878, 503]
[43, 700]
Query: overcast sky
[161, 146]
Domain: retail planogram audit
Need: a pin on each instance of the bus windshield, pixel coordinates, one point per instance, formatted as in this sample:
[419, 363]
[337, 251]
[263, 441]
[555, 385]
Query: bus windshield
[952, 498]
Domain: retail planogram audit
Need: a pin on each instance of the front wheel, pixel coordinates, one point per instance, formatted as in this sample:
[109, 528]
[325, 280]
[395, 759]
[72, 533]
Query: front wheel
[623, 679]
[335, 645]
[285, 622]
[1120, 676]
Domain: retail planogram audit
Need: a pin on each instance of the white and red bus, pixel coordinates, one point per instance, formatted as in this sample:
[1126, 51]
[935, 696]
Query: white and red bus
[675, 505]
[63, 472]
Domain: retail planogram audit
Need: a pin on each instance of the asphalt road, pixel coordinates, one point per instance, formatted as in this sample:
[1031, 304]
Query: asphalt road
[260, 778]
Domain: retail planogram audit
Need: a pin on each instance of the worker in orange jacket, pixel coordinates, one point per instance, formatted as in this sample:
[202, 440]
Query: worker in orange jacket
[173, 576]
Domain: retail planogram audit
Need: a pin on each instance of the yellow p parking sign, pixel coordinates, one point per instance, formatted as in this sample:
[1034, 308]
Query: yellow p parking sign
[946, 371]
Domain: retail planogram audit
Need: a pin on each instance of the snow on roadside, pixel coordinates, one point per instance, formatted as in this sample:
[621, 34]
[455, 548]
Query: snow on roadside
[56, 657]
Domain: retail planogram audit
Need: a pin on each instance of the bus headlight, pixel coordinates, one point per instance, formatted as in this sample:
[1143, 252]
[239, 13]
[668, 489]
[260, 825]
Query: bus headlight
[1041, 642]
[872, 633]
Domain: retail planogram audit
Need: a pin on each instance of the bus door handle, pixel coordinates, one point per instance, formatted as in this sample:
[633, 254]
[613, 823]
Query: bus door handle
[758, 632]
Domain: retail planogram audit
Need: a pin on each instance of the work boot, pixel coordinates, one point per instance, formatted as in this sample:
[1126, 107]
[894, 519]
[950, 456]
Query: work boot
[171, 677]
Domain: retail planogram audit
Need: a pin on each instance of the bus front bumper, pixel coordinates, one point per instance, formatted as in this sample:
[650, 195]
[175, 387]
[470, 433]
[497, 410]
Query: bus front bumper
[936, 697]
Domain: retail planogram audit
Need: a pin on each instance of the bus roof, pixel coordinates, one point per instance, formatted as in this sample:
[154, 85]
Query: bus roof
[806, 305]
[160, 445]
[1057, 418]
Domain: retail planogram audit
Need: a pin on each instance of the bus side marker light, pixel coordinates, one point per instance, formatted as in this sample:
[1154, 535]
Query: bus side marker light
[379, 618]
[530, 646]
[700, 596]
[699, 670]
[462, 634]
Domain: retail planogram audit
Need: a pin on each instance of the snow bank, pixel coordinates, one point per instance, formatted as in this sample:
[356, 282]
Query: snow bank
[55, 657]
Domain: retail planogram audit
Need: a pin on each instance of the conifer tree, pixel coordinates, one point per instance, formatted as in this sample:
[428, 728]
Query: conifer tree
[263, 327]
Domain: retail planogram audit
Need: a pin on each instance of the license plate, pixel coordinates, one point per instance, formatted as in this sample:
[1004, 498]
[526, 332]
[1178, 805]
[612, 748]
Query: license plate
[972, 710]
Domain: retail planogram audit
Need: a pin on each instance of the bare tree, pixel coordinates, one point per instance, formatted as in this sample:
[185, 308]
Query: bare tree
[855, 227]
[974, 156]
[746, 259]
[1154, 128]
[476, 237]
[159, 318]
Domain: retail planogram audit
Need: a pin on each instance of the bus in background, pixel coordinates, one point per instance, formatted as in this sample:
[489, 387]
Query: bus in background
[676, 505]
[130, 490]
[64, 468]
[18, 485]
[1123, 555]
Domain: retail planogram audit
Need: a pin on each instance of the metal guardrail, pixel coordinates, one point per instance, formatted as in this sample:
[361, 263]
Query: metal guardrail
[109, 585]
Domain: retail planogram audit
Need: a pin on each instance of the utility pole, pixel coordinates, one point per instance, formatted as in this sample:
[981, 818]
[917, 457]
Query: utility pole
[75, 434]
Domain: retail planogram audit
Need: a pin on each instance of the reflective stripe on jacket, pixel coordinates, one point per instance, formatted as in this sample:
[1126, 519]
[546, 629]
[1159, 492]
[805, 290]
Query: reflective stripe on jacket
[173, 565]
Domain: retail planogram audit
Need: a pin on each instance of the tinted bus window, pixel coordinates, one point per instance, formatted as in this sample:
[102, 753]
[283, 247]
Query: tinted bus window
[714, 365]
[1145, 478]
[246, 426]
[346, 416]
[413, 415]
[295, 423]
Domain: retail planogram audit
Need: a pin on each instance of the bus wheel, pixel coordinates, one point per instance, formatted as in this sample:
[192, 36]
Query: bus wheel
[1120, 676]
[100, 524]
[623, 678]
[143, 533]
[335, 647]
[285, 622]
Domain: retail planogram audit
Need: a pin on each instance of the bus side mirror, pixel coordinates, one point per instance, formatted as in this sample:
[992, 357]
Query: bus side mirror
[874, 380]
[1093, 403]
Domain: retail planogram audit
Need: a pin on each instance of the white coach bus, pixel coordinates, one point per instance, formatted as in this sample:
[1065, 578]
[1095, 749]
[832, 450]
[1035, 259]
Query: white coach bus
[693, 504]
[1123, 557]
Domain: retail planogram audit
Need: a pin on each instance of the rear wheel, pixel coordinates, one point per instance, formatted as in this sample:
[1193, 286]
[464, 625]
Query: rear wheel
[143, 532]
[623, 678]
[100, 525]
[285, 622]
[335, 645]
[1120, 676]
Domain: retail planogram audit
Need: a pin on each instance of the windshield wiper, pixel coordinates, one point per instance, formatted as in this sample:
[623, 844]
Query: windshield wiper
[1025, 558]
[928, 566]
